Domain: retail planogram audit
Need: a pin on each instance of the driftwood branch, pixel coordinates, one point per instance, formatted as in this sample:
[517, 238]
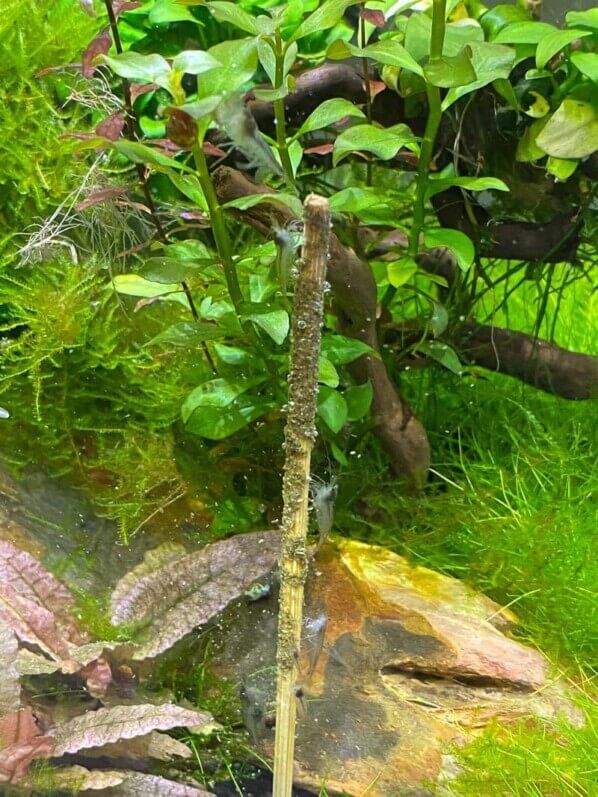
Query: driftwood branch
[544, 365]
[354, 290]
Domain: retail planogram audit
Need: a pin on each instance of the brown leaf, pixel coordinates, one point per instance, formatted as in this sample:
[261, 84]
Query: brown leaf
[137, 89]
[35, 624]
[211, 149]
[20, 735]
[120, 6]
[32, 581]
[10, 689]
[97, 676]
[112, 126]
[97, 46]
[30, 663]
[373, 16]
[181, 128]
[81, 779]
[94, 199]
[320, 149]
[87, 6]
[153, 745]
[107, 725]
[190, 591]
[137, 784]
[152, 561]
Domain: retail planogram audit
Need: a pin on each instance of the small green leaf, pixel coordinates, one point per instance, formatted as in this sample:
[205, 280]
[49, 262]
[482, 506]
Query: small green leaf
[240, 57]
[571, 131]
[200, 108]
[245, 202]
[443, 354]
[136, 66]
[169, 269]
[234, 15]
[554, 43]
[450, 71]
[587, 63]
[469, 183]
[539, 107]
[270, 95]
[233, 355]
[195, 62]
[140, 153]
[328, 112]
[187, 334]
[585, 19]
[459, 243]
[359, 400]
[524, 33]
[216, 393]
[491, 63]
[354, 200]
[328, 374]
[134, 285]
[561, 169]
[400, 271]
[382, 142]
[388, 52]
[332, 408]
[216, 423]
[189, 187]
[163, 12]
[527, 149]
[341, 350]
[275, 323]
[324, 17]
[439, 320]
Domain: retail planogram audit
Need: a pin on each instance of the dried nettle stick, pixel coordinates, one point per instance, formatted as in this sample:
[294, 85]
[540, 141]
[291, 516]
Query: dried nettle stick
[300, 436]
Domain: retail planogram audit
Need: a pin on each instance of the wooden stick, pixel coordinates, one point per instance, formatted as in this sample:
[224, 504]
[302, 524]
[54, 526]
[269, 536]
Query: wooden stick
[300, 434]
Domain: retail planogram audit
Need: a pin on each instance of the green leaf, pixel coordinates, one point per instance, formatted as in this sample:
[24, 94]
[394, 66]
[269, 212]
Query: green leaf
[328, 112]
[561, 169]
[189, 187]
[332, 408]
[439, 319]
[571, 131]
[459, 243]
[245, 202]
[275, 323]
[267, 58]
[324, 17]
[388, 52]
[240, 57]
[233, 355]
[499, 17]
[169, 269]
[200, 108]
[270, 95]
[217, 423]
[328, 374]
[469, 183]
[539, 107]
[164, 12]
[382, 142]
[195, 62]
[354, 200]
[443, 354]
[527, 149]
[217, 393]
[400, 271]
[585, 19]
[341, 350]
[140, 153]
[587, 63]
[135, 66]
[524, 33]
[491, 62]
[134, 285]
[187, 334]
[450, 71]
[234, 15]
[358, 400]
[550, 45]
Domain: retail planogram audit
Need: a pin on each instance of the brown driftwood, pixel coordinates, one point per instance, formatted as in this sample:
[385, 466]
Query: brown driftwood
[544, 365]
[354, 288]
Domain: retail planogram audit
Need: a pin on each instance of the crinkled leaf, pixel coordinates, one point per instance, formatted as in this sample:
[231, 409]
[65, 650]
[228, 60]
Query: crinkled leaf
[10, 689]
[108, 725]
[443, 354]
[358, 399]
[455, 240]
[382, 142]
[571, 131]
[138, 784]
[188, 592]
[341, 350]
[30, 663]
[97, 676]
[332, 408]
[154, 559]
[22, 742]
[554, 43]
[327, 113]
[153, 745]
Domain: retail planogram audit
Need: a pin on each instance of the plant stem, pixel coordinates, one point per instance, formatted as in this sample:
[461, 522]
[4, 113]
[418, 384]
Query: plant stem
[281, 132]
[299, 440]
[432, 125]
[218, 227]
[368, 93]
[131, 130]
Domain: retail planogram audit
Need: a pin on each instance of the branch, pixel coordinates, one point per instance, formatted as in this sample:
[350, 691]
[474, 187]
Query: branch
[354, 288]
[544, 365]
